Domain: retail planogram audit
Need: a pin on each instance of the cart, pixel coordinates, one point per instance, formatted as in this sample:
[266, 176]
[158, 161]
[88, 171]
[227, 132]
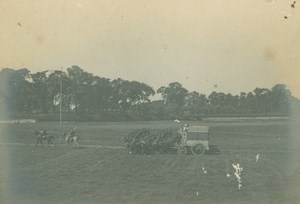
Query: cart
[195, 138]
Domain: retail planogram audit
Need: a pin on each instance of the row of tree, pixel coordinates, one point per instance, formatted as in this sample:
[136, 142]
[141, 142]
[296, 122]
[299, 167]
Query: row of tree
[261, 101]
[84, 93]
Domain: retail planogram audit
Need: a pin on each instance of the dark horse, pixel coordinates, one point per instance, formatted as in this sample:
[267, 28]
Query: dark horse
[43, 138]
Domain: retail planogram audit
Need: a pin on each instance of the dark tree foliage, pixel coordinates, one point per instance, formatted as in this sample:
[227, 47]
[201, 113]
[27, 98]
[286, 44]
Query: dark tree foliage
[174, 96]
[22, 92]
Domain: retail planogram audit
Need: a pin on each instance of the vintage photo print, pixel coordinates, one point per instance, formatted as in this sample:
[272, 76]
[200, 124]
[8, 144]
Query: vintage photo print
[137, 101]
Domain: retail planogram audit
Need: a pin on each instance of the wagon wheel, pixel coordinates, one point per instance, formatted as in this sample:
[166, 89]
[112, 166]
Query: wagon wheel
[198, 149]
[182, 150]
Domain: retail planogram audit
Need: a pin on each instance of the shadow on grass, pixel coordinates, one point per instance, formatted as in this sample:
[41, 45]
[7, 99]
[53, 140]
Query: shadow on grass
[213, 150]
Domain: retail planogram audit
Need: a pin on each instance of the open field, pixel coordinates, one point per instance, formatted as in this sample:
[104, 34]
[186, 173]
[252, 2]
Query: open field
[101, 171]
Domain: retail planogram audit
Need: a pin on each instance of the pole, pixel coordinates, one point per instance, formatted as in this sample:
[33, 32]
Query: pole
[60, 105]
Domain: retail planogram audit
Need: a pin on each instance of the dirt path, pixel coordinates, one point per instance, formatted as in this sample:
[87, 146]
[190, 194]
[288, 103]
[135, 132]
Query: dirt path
[93, 146]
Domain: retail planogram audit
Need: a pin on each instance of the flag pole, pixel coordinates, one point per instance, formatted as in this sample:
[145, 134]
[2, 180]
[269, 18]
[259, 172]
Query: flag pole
[60, 105]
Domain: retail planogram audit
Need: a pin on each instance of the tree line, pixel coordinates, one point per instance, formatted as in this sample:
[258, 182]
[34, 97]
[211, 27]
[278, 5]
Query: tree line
[23, 92]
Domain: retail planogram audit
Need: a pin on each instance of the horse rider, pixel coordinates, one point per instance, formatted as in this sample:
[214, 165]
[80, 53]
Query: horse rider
[185, 130]
[40, 136]
[70, 134]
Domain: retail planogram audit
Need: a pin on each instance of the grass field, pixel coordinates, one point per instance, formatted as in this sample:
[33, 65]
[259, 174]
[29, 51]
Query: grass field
[90, 174]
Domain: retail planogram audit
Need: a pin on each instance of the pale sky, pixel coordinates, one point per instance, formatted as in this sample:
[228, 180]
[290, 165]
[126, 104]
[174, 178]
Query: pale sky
[237, 45]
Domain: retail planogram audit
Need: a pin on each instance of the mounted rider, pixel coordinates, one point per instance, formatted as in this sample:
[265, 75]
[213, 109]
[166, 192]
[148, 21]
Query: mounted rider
[185, 130]
[41, 134]
[70, 134]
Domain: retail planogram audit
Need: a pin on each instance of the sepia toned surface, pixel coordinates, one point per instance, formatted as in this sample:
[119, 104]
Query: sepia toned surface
[230, 47]
[197, 43]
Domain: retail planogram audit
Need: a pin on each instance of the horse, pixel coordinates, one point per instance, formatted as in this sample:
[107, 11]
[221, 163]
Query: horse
[70, 137]
[43, 137]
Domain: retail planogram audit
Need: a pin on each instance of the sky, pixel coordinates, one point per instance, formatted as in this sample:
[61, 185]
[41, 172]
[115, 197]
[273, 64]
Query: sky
[229, 46]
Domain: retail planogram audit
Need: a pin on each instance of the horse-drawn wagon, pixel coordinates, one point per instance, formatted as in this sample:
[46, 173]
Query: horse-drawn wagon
[195, 138]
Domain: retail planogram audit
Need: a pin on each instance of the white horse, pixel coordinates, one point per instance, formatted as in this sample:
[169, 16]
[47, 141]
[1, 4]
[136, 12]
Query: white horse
[70, 137]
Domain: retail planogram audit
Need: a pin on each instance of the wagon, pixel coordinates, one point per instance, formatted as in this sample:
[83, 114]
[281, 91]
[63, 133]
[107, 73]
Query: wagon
[195, 138]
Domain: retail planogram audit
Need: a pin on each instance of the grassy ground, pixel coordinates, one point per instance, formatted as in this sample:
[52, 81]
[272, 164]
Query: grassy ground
[103, 175]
